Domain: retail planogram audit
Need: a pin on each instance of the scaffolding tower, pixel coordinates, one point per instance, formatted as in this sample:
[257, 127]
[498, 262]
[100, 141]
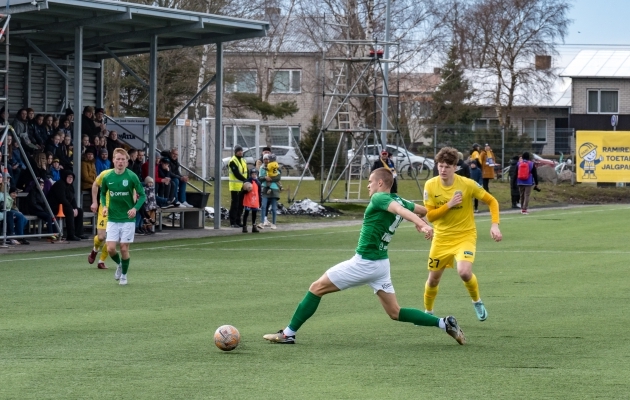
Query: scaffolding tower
[354, 87]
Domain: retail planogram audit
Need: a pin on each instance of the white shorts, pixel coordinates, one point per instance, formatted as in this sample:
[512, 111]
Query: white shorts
[358, 272]
[122, 232]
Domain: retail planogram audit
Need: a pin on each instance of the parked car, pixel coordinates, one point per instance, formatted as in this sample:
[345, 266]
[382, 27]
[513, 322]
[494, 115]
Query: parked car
[287, 156]
[405, 161]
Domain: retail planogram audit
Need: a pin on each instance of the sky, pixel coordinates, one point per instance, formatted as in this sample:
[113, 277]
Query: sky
[597, 24]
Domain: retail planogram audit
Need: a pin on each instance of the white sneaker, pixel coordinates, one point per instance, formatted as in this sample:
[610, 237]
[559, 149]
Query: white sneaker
[260, 226]
[123, 280]
[185, 204]
[273, 226]
[118, 272]
[267, 223]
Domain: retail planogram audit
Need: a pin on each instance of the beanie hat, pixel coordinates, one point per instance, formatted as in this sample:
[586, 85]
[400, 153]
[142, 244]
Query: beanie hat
[237, 148]
[148, 179]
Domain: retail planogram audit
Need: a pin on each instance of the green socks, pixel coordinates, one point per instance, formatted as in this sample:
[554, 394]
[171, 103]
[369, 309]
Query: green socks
[417, 317]
[125, 266]
[304, 311]
[116, 258]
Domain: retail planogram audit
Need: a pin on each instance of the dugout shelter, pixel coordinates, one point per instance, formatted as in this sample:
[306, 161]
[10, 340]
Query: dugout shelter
[53, 47]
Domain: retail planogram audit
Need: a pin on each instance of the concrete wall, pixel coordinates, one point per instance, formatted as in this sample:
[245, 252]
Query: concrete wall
[580, 88]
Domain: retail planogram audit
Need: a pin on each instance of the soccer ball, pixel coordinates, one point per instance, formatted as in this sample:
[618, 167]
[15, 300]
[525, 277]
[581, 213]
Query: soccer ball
[226, 337]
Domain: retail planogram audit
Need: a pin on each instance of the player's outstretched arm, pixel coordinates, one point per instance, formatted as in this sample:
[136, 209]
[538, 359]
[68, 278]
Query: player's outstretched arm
[420, 210]
[493, 204]
[421, 226]
[94, 206]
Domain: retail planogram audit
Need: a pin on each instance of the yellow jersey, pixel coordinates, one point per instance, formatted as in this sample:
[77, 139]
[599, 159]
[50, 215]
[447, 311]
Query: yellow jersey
[459, 220]
[99, 182]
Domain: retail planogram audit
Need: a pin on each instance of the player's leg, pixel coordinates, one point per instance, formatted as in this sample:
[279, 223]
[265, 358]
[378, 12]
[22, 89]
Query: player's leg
[114, 234]
[441, 256]
[128, 230]
[99, 239]
[342, 276]
[464, 269]
[245, 217]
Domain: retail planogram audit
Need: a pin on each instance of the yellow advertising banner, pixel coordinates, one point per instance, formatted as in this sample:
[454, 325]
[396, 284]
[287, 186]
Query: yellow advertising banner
[602, 156]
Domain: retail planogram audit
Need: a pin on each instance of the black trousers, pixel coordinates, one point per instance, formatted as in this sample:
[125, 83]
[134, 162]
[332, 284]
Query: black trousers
[167, 191]
[486, 184]
[74, 225]
[236, 207]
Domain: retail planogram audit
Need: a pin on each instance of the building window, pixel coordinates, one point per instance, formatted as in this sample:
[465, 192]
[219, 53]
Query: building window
[285, 135]
[536, 129]
[486, 123]
[603, 102]
[244, 136]
[244, 81]
[287, 81]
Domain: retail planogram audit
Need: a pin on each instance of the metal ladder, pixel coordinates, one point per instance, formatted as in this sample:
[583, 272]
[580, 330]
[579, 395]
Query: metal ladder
[4, 20]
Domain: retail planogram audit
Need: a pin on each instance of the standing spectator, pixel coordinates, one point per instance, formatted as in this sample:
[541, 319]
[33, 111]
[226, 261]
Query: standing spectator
[179, 179]
[462, 168]
[62, 194]
[67, 150]
[514, 192]
[237, 167]
[68, 124]
[99, 120]
[112, 143]
[251, 199]
[487, 160]
[135, 165]
[474, 153]
[103, 163]
[385, 162]
[259, 162]
[527, 177]
[475, 175]
[37, 206]
[270, 191]
[88, 171]
[87, 122]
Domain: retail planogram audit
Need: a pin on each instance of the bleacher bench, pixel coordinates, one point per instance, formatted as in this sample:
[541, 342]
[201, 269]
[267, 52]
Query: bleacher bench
[189, 218]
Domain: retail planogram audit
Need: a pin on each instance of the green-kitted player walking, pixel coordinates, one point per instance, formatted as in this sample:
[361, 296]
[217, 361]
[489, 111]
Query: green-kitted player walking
[122, 185]
[370, 265]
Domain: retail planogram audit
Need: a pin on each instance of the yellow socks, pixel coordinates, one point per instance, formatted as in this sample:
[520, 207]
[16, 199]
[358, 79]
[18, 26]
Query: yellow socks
[97, 243]
[473, 288]
[429, 296]
[104, 254]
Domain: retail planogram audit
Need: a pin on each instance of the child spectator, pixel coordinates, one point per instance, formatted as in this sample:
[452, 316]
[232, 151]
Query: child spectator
[151, 204]
[273, 169]
[67, 149]
[103, 163]
[270, 190]
[55, 170]
[251, 199]
[475, 175]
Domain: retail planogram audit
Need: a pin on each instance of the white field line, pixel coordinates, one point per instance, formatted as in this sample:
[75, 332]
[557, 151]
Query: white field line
[480, 219]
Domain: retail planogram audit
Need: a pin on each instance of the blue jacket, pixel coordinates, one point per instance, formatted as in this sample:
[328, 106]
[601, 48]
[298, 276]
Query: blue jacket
[533, 176]
[475, 174]
[102, 165]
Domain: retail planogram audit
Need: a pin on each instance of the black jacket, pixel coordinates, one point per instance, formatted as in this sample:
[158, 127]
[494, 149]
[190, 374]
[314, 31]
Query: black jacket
[62, 193]
[512, 172]
[136, 167]
[36, 202]
[175, 171]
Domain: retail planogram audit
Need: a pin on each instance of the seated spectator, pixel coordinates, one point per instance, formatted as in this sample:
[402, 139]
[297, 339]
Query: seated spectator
[10, 220]
[88, 170]
[66, 125]
[166, 185]
[40, 129]
[4, 116]
[87, 123]
[179, 180]
[62, 194]
[40, 167]
[20, 125]
[15, 162]
[147, 222]
[16, 221]
[55, 124]
[37, 206]
[48, 125]
[67, 151]
[86, 144]
[54, 146]
[103, 163]
[135, 165]
[55, 170]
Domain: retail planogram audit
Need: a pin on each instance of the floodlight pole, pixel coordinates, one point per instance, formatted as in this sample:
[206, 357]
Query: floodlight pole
[384, 104]
[218, 135]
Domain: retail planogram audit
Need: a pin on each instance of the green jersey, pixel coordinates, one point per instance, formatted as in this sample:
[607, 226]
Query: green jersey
[379, 225]
[120, 190]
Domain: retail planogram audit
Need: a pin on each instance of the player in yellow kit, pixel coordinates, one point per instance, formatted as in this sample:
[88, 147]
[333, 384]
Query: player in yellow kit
[101, 223]
[448, 199]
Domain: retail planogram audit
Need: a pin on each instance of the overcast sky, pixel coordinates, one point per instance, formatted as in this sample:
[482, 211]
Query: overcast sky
[599, 22]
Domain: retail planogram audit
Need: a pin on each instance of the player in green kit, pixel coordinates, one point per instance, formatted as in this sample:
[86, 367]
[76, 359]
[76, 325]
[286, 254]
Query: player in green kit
[370, 265]
[122, 186]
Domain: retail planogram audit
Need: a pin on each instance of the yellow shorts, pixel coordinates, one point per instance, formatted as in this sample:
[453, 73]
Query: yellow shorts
[101, 223]
[443, 252]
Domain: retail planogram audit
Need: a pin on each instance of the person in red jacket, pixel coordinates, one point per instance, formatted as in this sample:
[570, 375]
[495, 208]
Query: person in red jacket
[251, 199]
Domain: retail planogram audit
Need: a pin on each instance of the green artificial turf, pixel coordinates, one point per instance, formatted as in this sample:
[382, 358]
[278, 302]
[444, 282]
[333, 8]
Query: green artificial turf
[556, 290]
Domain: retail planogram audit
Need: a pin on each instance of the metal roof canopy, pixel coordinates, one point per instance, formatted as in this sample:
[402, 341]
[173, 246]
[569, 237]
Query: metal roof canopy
[93, 30]
[599, 64]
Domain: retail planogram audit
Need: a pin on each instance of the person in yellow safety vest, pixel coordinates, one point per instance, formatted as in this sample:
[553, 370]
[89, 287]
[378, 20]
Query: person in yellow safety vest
[237, 168]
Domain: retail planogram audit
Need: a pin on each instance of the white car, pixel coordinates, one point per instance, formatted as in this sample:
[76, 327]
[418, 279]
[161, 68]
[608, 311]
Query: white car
[287, 156]
[405, 161]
